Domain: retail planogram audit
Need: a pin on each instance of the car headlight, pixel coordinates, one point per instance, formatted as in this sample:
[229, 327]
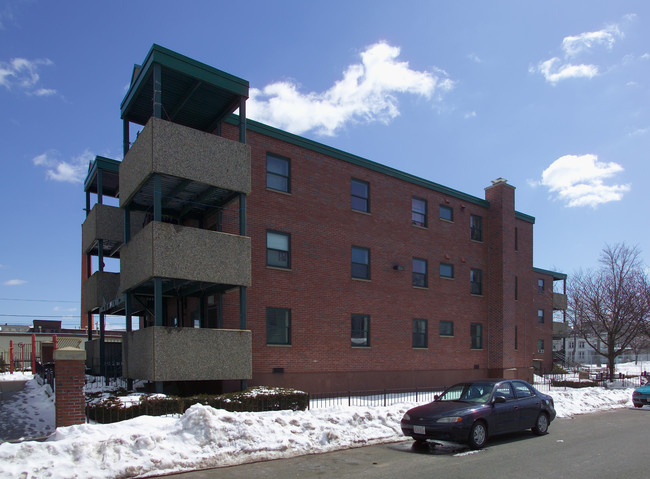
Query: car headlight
[450, 419]
[406, 417]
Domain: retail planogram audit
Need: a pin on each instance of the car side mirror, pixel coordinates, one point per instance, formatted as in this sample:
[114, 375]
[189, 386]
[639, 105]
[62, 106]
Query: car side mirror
[499, 399]
[436, 397]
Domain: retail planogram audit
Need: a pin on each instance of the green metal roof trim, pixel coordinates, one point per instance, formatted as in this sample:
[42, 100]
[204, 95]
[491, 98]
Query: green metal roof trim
[524, 217]
[356, 160]
[181, 67]
[554, 274]
[100, 163]
[359, 161]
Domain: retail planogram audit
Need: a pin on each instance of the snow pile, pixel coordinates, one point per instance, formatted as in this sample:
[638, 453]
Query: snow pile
[202, 437]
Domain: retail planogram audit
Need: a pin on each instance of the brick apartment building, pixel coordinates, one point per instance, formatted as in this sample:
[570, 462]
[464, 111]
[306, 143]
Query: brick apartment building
[249, 253]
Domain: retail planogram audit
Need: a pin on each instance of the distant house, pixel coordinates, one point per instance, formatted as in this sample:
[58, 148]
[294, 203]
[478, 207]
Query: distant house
[249, 255]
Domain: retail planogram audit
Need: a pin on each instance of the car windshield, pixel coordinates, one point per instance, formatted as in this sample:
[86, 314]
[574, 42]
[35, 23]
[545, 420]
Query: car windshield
[469, 392]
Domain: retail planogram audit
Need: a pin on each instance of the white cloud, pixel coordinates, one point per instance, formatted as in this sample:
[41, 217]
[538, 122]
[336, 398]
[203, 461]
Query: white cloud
[73, 171]
[367, 92]
[23, 74]
[578, 180]
[471, 114]
[554, 71]
[557, 69]
[475, 58]
[573, 45]
[14, 282]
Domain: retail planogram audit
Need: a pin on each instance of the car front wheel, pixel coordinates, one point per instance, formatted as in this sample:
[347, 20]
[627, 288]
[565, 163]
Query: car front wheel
[478, 435]
[541, 424]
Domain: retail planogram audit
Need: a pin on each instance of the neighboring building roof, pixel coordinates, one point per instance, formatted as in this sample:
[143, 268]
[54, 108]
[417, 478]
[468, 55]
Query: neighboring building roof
[556, 276]
[14, 328]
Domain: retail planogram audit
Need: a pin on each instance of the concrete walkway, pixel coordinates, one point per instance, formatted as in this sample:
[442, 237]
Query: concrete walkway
[9, 394]
[21, 417]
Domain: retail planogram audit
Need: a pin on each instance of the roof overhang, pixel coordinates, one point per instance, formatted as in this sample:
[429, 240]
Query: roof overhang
[110, 176]
[192, 93]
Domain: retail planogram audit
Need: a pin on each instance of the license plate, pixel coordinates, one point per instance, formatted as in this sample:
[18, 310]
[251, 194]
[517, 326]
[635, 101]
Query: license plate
[418, 429]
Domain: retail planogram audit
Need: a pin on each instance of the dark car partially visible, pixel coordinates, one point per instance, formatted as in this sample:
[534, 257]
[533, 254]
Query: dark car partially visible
[471, 412]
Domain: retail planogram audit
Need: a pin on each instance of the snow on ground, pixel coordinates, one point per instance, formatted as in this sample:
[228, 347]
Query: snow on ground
[204, 437]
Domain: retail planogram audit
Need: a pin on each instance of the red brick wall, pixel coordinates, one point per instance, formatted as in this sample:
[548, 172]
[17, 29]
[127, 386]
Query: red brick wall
[322, 296]
[70, 398]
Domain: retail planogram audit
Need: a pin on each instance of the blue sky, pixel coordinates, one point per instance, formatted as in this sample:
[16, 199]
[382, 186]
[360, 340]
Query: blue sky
[554, 96]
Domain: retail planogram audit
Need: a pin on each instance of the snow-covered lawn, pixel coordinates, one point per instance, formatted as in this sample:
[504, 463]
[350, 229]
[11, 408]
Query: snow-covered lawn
[204, 437]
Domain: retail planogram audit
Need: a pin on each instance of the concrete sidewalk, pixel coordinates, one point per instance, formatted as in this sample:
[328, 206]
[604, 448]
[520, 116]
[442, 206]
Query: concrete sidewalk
[24, 415]
[9, 394]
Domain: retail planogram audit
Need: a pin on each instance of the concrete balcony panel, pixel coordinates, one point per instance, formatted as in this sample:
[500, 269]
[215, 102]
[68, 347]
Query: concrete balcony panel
[102, 223]
[170, 149]
[559, 301]
[164, 250]
[100, 289]
[187, 354]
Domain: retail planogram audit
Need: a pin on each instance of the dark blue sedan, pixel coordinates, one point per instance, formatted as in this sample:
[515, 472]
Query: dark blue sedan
[473, 411]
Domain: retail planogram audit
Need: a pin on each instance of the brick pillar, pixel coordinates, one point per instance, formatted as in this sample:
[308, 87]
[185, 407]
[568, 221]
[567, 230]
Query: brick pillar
[500, 278]
[69, 367]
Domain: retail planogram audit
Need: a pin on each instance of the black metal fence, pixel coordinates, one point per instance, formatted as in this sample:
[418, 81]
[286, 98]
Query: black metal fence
[384, 397]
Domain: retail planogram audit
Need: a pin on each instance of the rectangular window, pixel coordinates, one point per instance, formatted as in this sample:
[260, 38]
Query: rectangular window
[540, 286]
[476, 228]
[446, 213]
[419, 212]
[446, 328]
[278, 252]
[360, 263]
[540, 316]
[446, 270]
[420, 333]
[420, 272]
[360, 330]
[540, 346]
[476, 334]
[476, 281]
[360, 195]
[278, 326]
[516, 288]
[516, 239]
[277, 173]
[516, 338]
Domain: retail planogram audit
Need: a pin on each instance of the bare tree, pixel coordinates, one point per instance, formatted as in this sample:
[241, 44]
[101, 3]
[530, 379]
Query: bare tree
[609, 306]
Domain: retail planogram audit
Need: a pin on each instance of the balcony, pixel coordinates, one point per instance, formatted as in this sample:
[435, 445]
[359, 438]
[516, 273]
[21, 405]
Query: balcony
[187, 354]
[100, 289]
[104, 223]
[559, 301]
[163, 250]
[171, 150]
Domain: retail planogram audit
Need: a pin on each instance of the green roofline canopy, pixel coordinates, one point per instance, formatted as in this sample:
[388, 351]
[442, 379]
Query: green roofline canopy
[189, 92]
[110, 179]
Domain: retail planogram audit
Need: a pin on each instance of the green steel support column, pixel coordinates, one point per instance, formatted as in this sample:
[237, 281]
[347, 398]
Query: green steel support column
[100, 186]
[126, 139]
[102, 352]
[87, 203]
[242, 120]
[89, 320]
[158, 301]
[128, 311]
[157, 90]
[100, 254]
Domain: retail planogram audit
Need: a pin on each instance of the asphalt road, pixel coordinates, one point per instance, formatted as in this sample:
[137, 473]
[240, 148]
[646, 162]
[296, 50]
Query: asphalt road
[611, 444]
